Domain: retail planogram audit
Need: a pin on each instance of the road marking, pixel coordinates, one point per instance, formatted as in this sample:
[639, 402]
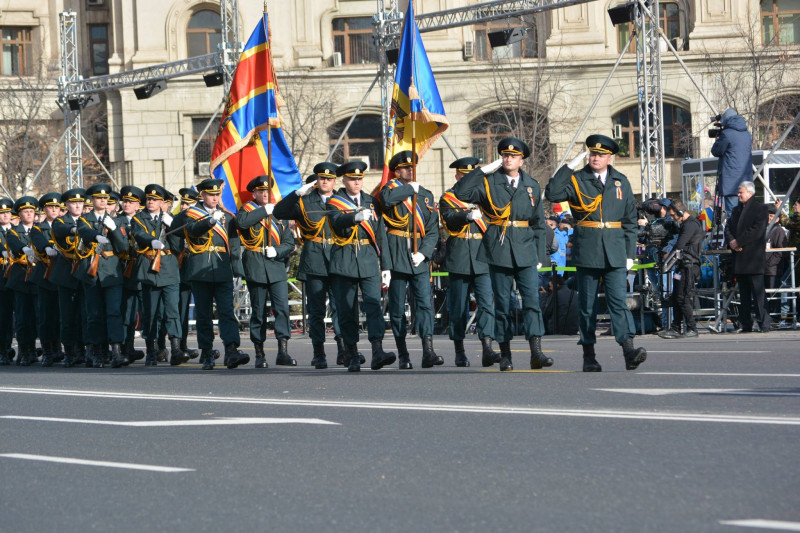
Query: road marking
[448, 408]
[732, 374]
[763, 524]
[710, 351]
[179, 423]
[722, 392]
[85, 462]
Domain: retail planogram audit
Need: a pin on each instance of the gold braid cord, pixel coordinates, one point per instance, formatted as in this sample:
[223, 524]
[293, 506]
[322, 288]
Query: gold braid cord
[496, 216]
[197, 248]
[308, 228]
[343, 241]
[255, 241]
[595, 202]
[398, 222]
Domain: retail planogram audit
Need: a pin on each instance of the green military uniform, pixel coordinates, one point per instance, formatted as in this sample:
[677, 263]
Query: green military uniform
[513, 246]
[70, 291]
[603, 246]
[358, 241]
[397, 201]
[188, 198]
[212, 262]
[267, 243]
[6, 294]
[131, 286]
[309, 213]
[103, 288]
[465, 228]
[47, 312]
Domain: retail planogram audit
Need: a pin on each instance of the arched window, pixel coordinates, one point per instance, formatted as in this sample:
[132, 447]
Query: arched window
[780, 21]
[364, 139]
[487, 129]
[677, 131]
[672, 22]
[204, 33]
[774, 117]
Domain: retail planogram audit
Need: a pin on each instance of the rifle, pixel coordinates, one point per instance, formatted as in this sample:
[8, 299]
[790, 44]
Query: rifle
[92, 272]
[181, 257]
[29, 271]
[155, 265]
[129, 269]
[50, 264]
[8, 268]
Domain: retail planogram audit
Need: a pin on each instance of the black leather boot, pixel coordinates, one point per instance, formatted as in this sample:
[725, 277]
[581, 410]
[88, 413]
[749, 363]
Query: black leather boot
[489, 356]
[590, 363]
[98, 356]
[57, 353]
[69, 357]
[353, 361]
[27, 355]
[162, 350]
[341, 351]
[284, 359]
[538, 358]
[429, 357]
[131, 352]
[190, 352]
[5, 351]
[633, 356]
[235, 357]
[380, 358]
[48, 358]
[319, 361]
[79, 355]
[152, 353]
[177, 356]
[505, 356]
[117, 360]
[207, 359]
[461, 354]
[261, 359]
[402, 354]
[88, 356]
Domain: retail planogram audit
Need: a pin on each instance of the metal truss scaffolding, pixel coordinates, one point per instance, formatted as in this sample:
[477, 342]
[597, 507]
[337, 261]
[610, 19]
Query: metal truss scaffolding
[72, 118]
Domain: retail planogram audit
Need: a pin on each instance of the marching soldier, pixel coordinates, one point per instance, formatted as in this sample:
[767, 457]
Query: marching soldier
[267, 242]
[101, 272]
[189, 198]
[113, 204]
[132, 200]
[47, 312]
[70, 293]
[307, 206]
[358, 239]
[406, 266]
[465, 228]
[157, 269]
[514, 244]
[23, 259]
[6, 294]
[604, 243]
[213, 261]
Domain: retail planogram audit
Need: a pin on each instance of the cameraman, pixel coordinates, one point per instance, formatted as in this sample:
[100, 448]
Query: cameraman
[658, 233]
[733, 148]
[686, 274]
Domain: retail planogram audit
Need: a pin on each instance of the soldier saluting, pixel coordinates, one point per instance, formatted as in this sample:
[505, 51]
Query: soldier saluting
[604, 243]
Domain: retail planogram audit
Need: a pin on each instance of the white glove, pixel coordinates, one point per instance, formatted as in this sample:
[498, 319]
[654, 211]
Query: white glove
[5, 254]
[575, 163]
[73, 230]
[386, 277]
[166, 219]
[538, 266]
[155, 244]
[101, 240]
[474, 214]
[628, 264]
[271, 252]
[305, 189]
[29, 252]
[218, 214]
[269, 208]
[493, 166]
[109, 223]
[50, 251]
[361, 216]
[415, 186]
[417, 258]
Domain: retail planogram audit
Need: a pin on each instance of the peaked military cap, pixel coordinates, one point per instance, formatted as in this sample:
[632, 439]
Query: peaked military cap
[465, 164]
[210, 186]
[88, 202]
[50, 199]
[26, 202]
[352, 169]
[6, 205]
[132, 194]
[601, 144]
[156, 191]
[402, 159]
[188, 196]
[259, 183]
[514, 146]
[99, 190]
[113, 198]
[326, 169]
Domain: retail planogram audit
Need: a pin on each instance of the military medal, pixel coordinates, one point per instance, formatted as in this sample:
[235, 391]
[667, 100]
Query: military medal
[530, 195]
[618, 185]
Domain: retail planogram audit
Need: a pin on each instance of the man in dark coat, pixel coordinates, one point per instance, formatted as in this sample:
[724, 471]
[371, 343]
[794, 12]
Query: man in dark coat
[132, 199]
[733, 148]
[6, 294]
[189, 197]
[776, 261]
[23, 258]
[604, 243]
[746, 236]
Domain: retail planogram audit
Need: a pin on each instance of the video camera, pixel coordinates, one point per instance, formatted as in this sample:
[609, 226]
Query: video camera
[714, 132]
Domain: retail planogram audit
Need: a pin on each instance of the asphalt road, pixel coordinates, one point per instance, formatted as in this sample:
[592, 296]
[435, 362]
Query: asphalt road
[703, 437]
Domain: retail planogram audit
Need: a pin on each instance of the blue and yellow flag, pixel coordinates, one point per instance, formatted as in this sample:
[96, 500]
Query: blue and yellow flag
[417, 109]
[249, 125]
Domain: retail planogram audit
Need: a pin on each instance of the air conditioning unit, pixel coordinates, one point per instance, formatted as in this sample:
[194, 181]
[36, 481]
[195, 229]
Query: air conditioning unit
[204, 169]
[95, 3]
[336, 59]
[618, 131]
[469, 49]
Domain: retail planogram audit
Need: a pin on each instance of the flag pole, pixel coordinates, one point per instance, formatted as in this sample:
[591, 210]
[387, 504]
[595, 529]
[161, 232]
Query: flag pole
[413, 228]
[270, 177]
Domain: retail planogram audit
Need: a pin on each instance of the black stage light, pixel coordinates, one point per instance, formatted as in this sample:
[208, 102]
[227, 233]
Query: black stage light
[151, 89]
[392, 54]
[623, 14]
[214, 79]
[506, 37]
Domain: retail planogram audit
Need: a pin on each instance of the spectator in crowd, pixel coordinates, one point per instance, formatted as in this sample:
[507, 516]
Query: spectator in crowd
[706, 216]
[776, 261]
[733, 148]
[560, 308]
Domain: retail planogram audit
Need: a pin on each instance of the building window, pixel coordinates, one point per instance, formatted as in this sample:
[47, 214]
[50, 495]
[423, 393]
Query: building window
[364, 139]
[352, 37]
[528, 47]
[98, 35]
[780, 21]
[774, 117]
[17, 56]
[677, 131]
[669, 19]
[487, 130]
[202, 155]
[204, 33]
